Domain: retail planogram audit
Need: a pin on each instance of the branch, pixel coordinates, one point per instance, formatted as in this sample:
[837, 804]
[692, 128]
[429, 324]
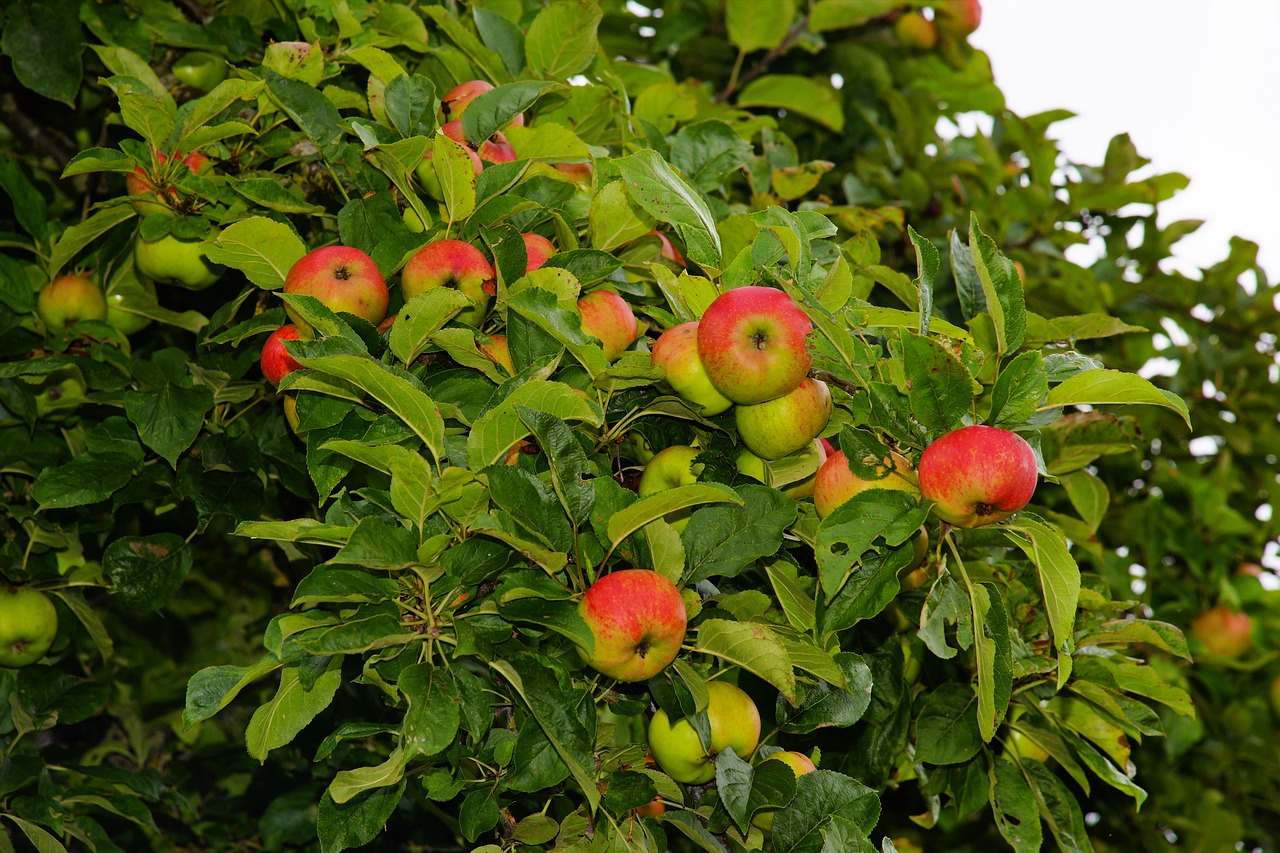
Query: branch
[765, 61]
[832, 379]
[35, 136]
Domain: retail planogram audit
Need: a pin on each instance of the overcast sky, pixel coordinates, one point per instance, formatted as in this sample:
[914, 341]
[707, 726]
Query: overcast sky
[1195, 83]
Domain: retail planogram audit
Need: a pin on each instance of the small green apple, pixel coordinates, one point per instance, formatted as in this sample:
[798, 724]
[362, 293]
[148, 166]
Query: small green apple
[733, 720]
[1023, 746]
[28, 625]
[200, 69]
[125, 300]
[670, 467]
[181, 263]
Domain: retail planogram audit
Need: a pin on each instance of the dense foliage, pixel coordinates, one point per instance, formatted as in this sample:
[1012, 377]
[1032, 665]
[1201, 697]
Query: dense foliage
[345, 612]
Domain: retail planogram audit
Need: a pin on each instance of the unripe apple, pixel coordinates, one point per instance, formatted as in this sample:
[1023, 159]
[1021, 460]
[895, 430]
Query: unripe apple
[344, 279]
[122, 299]
[978, 475]
[457, 98]
[538, 250]
[452, 263]
[275, 361]
[28, 625]
[61, 396]
[800, 764]
[734, 722]
[637, 619]
[752, 343]
[291, 412]
[498, 351]
[169, 260]
[200, 69]
[915, 31]
[1024, 747]
[1223, 631]
[837, 484]
[957, 18]
[607, 316]
[676, 350]
[68, 300]
[783, 425]
[431, 183]
[670, 467]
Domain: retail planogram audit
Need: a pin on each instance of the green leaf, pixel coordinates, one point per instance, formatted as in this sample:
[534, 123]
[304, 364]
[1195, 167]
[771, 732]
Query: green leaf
[279, 721]
[75, 238]
[927, 266]
[744, 789]
[627, 521]
[798, 604]
[542, 309]
[1015, 808]
[941, 389]
[493, 109]
[570, 469]
[268, 193]
[1101, 387]
[147, 570]
[43, 39]
[263, 249]
[1001, 287]
[366, 631]
[709, 152]
[502, 37]
[87, 479]
[1059, 809]
[813, 99]
[169, 420]
[347, 784]
[616, 218]
[1018, 391]
[457, 177]
[411, 105]
[1088, 494]
[29, 206]
[1123, 632]
[852, 529]
[420, 318]
[722, 541]
[753, 647]
[310, 110]
[41, 839]
[839, 14]
[495, 432]
[375, 544]
[562, 39]
[434, 716]
[993, 652]
[214, 687]
[1059, 581]
[946, 605]
[758, 26]
[342, 826]
[666, 196]
[824, 704]
[947, 728]
[823, 796]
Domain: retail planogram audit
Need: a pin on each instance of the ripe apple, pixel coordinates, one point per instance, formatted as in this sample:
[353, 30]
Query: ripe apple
[676, 350]
[121, 300]
[169, 260]
[734, 721]
[453, 130]
[200, 70]
[637, 619]
[579, 173]
[654, 809]
[916, 31]
[978, 475]
[957, 18]
[499, 352]
[457, 98]
[69, 299]
[837, 484]
[28, 625]
[151, 191]
[800, 764]
[538, 250]
[1024, 747]
[497, 149]
[431, 184]
[275, 360]
[752, 344]
[670, 467]
[344, 279]
[783, 425]
[452, 263]
[669, 251]
[607, 316]
[1223, 632]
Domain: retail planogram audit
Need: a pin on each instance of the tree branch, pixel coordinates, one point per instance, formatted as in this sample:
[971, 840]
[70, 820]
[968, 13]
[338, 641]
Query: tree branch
[765, 61]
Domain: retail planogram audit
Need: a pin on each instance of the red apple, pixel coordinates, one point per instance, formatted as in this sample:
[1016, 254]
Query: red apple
[344, 279]
[579, 173]
[151, 191]
[68, 299]
[637, 619]
[828, 449]
[497, 149]
[783, 425]
[537, 249]
[452, 263]
[275, 361]
[607, 316]
[837, 484]
[978, 475]
[752, 344]
[957, 18]
[457, 98]
[676, 350]
[733, 721]
[915, 31]
[499, 352]
[1223, 631]
[800, 764]
[453, 130]
[669, 251]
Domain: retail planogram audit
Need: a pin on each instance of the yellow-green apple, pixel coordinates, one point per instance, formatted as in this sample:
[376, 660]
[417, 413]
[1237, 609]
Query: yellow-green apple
[957, 17]
[607, 316]
[170, 260]
[1024, 747]
[733, 720]
[200, 69]
[837, 484]
[915, 31]
[457, 98]
[669, 251]
[783, 425]
[498, 351]
[752, 344]
[412, 220]
[1223, 631]
[538, 250]
[670, 467]
[497, 149]
[676, 350]
[800, 764]
[753, 466]
[28, 625]
[153, 191]
[122, 301]
[452, 263]
[69, 299]
[61, 395]
[344, 279]
[431, 184]
[291, 412]
[275, 360]
[636, 447]
[977, 475]
[637, 621]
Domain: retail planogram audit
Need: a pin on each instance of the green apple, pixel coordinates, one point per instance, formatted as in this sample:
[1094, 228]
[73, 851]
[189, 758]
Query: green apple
[28, 625]
[62, 394]
[169, 260]
[800, 764]
[200, 69]
[915, 31]
[978, 475]
[733, 720]
[69, 299]
[125, 299]
[783, 425]
[1024, 747]
[837, 484]
[670, 467]
[750, 465]
[676, 351]
[637, 620]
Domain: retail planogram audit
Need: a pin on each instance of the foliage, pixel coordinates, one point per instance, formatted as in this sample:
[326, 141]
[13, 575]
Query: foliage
[364, 631]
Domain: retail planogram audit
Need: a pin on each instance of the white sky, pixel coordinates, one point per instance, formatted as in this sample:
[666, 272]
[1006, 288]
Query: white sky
[1195, 83]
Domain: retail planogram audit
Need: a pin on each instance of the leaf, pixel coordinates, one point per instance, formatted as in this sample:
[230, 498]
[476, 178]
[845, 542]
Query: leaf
[666, 196]
[495, 432]
[87, 479]
[431, 724]
[147, 570]
[41, 839]
[1100, 387]
[279, 721]
[993, 653]
[1001, 287]
[214, 687]
[947, 728]
[502, 37]
[758, 26]
[263, 249]
[821, 797]
[1019, 390]
[615, 218]
[562, 39]
[824, 704]
[796, 602]
[753, 647]
[1015, 808]
[941, 389]
[495, 108]
[456, 175]
[43, 39]
[75, 238]
[1059, 809]
[744, 789]
[813, 99]
[1088, 494]
[839, 14]
[627, 521]
[543, 310]
[852, 528]
[375, 544]
[927, 266]
[347, 784]
[722, 541]
[29, 206]
[411, 105]
[169, 420]
[311, 111]
[342, 826]
[1059, 580]
[708, 152]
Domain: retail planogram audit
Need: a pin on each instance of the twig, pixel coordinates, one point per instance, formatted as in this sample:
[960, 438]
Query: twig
[832, 379]
[765, 61]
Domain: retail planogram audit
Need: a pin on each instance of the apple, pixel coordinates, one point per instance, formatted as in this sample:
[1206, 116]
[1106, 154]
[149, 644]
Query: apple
[670, 467]
[915, 31]
[497, 149]
[151, 191]
[1223, 631]
[200, 70]
[637, 619]
[669, 251]
[636, 447]
[122, 301]
[800, 764]
[457, 98]
[752, 343]
[169, 260]
[69, 299]
[676, 350]
[734, 721]
[781, 426]
[537, 250]
[431, 184]
[452, 263]
[275, 360]
[957, 18]
[654, 809]
[291, 411]
[344, 279]
[837, 484]
[579, 173]
[498, 351]
[753, 466]
[1024, 747]
[978, 475]
[608, 317]
[28, 625]
[60, 397]
[453, 130]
